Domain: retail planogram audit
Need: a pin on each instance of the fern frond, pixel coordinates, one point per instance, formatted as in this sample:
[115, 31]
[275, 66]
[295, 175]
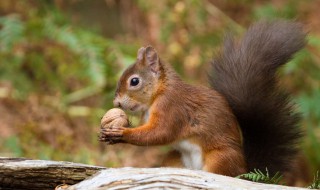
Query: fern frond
[11, 31]
[316, 182]
[258, 176]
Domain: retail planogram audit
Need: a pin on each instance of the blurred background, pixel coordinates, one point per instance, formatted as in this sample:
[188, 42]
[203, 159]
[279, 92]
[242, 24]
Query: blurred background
[60, 61]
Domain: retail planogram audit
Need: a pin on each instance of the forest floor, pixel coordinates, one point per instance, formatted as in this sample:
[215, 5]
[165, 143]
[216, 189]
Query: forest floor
[41, 131]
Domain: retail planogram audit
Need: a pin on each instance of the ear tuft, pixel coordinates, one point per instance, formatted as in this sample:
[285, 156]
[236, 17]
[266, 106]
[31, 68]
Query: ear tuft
[152, 59]
[141, 53]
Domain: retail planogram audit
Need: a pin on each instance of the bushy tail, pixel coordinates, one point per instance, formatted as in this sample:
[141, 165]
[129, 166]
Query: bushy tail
[245, 73]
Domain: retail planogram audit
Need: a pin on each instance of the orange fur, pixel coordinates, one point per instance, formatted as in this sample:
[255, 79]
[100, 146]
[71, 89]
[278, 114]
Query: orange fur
[181, 111]
[205, 124]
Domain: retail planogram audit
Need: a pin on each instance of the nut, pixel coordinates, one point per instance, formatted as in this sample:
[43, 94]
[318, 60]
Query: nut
[115, 116]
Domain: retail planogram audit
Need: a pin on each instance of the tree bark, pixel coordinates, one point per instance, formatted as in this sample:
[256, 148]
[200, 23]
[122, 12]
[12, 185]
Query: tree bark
[168, 178]
[20, 173]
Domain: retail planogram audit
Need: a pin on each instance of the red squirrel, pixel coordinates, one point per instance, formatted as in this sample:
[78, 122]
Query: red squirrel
[243, 122]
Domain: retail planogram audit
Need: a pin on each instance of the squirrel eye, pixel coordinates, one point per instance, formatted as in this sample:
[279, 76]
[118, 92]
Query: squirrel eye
[134, 81]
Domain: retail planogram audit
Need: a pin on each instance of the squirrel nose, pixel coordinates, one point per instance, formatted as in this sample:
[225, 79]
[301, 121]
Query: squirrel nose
[116, 103]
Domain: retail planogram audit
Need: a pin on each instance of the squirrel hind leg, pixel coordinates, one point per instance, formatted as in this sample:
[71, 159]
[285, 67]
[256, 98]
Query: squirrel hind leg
[227, 161]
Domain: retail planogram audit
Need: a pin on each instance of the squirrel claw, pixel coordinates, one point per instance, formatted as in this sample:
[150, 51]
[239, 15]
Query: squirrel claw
[111, 135]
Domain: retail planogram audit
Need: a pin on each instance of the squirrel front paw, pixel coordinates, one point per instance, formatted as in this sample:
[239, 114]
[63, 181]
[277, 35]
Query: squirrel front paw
[112, 135]
[113, 123]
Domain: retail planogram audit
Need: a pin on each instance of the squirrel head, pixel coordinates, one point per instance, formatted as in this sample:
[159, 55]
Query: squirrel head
[139, 84]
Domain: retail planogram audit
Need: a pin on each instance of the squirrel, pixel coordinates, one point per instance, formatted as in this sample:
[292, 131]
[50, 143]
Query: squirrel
[244, 121]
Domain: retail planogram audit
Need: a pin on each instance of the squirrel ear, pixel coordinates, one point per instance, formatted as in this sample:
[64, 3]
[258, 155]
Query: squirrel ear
[152, 59]
[141, 53]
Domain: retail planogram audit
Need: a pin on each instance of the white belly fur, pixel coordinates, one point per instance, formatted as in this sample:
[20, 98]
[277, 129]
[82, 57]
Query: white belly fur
[191, 154]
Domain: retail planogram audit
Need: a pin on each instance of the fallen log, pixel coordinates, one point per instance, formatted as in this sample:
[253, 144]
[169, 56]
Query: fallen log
[20, 173]
[168, 178]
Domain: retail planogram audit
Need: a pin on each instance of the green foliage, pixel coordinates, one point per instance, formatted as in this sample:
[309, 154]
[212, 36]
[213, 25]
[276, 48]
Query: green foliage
[316, 182]
[258, 176]
[12, 144]
[12, 31]
[44, 53]
[307, 78]
[270, 11]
